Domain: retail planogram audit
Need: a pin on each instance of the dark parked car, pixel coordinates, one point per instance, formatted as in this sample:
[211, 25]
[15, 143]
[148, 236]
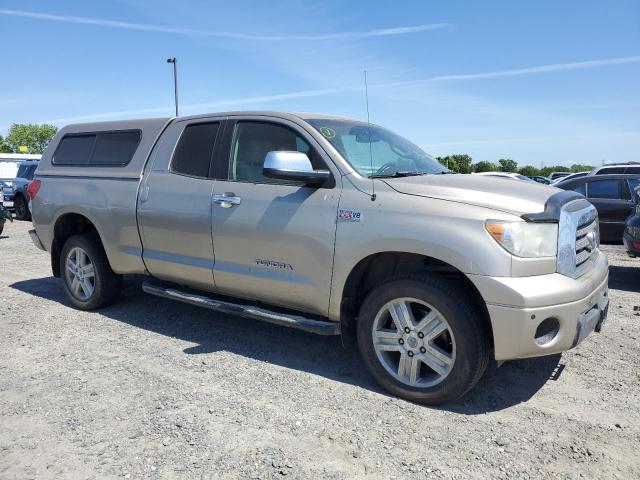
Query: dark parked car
[631, 236]
[20, 183]
[612, 195]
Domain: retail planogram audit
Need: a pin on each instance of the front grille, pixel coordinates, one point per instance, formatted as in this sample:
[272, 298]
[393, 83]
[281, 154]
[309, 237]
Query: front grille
[586, 243]
[577, 238]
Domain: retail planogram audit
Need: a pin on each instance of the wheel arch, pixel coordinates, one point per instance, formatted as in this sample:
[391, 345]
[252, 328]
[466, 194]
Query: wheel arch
[373, 269]
[66, 225]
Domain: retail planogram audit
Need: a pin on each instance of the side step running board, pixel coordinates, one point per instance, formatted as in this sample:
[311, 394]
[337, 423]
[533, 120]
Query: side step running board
[294, 321]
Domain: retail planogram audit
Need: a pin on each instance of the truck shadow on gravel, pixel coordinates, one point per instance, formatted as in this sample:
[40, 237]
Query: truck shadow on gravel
[513, 383]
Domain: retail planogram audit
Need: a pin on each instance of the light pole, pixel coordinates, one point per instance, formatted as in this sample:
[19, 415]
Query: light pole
[175, 79]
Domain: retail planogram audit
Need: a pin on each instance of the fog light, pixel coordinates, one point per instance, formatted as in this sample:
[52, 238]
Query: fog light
[547, 330]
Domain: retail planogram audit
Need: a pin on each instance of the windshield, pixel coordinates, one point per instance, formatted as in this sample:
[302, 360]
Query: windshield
[376, 151]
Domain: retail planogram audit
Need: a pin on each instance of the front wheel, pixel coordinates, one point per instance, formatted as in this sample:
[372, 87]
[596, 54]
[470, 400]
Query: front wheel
[422, 339]
[87, 276]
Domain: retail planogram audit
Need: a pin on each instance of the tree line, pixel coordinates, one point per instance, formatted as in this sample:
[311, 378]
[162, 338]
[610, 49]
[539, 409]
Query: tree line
[30, 135]
[464, 164]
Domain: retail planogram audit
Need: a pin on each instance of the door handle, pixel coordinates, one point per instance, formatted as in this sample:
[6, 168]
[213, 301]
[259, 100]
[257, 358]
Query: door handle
[227, 200]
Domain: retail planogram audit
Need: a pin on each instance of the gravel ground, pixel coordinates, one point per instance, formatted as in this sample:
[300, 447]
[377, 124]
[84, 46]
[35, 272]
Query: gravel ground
[149, 388]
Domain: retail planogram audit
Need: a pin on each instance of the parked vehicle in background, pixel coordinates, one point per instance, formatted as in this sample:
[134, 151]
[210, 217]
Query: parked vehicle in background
[540, 179]
[629, 168]
[631, 237]
[9, 163]
[512, 176]
[569, 177]
[20, 199]
[6, 195]
[4, 216]
[556, 175]
[326, 224]
[612, 195]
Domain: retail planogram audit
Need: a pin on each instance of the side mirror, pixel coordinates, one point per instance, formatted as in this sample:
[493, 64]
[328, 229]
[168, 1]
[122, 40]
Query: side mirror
[294, 166]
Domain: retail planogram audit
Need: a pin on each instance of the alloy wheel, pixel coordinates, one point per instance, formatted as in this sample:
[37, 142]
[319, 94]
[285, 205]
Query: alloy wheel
[414, 342]
[80, 274]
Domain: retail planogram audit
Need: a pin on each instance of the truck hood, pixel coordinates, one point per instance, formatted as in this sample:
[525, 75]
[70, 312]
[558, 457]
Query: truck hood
[506, 195]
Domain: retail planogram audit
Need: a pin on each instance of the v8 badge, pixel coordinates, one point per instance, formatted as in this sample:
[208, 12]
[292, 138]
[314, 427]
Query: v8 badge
[348, 215]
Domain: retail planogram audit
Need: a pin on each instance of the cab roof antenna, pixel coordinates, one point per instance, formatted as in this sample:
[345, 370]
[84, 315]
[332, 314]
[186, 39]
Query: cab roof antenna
[366, 96]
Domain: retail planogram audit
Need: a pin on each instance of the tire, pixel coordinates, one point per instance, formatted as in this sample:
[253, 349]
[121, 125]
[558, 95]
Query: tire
[104, 285]
[21, 208]
[448, 365]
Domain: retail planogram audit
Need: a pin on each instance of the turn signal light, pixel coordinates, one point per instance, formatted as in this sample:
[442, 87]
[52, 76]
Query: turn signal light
[496, 230]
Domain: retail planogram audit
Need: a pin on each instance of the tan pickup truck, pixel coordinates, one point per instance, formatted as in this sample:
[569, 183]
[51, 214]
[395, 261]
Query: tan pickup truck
[329, 225]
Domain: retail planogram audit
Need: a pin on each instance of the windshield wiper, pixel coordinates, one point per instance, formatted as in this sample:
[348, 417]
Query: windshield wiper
[398, 174]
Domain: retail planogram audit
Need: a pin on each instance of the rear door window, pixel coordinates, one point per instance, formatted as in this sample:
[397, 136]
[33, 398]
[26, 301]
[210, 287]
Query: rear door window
[607, 189]
[195, 149]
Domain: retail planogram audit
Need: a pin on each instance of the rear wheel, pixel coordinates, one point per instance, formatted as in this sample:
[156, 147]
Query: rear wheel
[421, 339]
[22, 208]
[87, 276]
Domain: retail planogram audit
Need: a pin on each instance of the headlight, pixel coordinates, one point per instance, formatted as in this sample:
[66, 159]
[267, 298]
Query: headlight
[525, 239]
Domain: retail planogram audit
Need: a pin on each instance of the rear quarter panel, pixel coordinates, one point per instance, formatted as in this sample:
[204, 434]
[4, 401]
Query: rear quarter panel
[106, 195]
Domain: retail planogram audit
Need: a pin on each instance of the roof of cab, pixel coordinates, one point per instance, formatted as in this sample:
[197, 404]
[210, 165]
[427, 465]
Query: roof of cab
[269, 113]
[132, 123]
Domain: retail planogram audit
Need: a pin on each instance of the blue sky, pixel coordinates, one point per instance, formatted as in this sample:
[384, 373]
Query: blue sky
[542, 82]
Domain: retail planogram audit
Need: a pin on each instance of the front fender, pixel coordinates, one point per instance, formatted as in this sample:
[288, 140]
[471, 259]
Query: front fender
[446, 231]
